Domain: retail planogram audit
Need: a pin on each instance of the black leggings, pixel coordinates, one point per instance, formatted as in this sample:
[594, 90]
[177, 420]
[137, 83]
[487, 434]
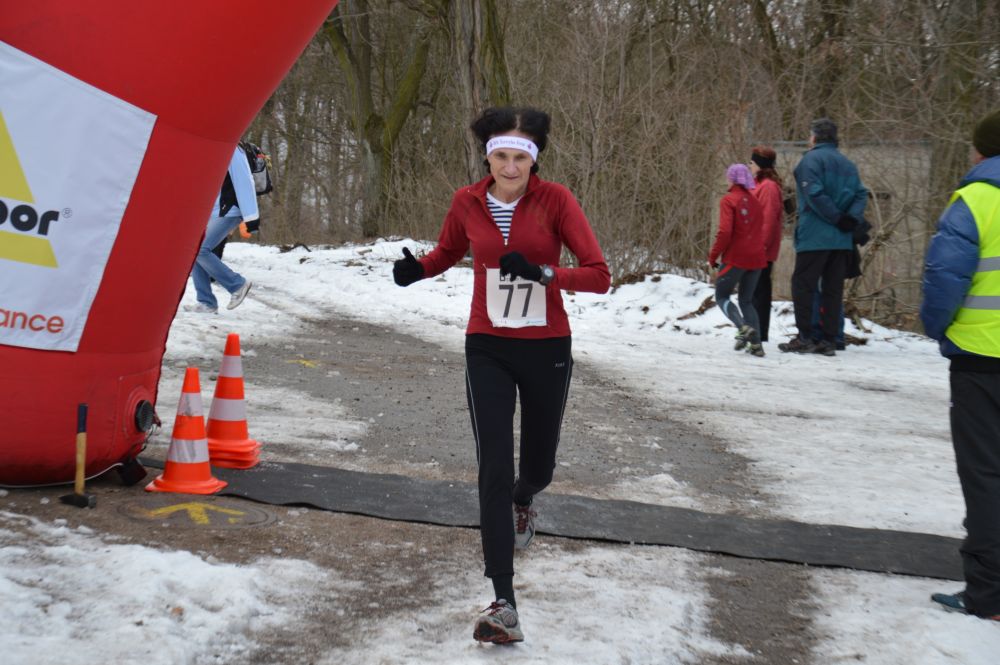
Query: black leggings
[498, 369]
[725, 283]
[762, 301]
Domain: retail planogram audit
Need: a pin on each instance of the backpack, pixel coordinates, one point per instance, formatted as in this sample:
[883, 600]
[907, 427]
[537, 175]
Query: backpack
[260, 168]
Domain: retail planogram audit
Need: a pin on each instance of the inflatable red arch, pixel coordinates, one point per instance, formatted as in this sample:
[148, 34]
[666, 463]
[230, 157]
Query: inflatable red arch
[116, 120]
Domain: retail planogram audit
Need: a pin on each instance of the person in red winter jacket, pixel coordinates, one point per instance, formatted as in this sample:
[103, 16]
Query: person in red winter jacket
[517, 343]
[738, 254]
[768, 193]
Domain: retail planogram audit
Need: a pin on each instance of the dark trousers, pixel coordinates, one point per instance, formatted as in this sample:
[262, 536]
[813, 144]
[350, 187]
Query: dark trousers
[830, 266]
[975, 433]
[817, 313]
[762, 300]
[498, 370]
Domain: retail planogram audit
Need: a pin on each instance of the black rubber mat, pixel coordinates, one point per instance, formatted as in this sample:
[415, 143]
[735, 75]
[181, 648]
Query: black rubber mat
[455, 504]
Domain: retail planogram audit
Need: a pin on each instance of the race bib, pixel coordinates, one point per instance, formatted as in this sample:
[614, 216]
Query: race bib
[513, 302]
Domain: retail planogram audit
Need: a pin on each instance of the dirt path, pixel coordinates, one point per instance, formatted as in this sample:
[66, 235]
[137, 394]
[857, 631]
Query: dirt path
[411, 396]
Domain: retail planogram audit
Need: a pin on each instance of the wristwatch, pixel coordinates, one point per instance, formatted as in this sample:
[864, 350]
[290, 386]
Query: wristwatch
[548, 274]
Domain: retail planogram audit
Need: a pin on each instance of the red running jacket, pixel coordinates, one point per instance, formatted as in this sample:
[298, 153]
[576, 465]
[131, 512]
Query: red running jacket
[768, 194]
[546, 218]
[740, 241]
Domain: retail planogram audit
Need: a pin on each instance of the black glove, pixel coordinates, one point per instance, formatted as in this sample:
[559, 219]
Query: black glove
[516, 265]
[847, 224]
[407, 270]
[861, 235]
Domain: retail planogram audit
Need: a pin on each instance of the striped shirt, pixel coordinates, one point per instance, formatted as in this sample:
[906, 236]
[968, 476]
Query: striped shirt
[502, 213]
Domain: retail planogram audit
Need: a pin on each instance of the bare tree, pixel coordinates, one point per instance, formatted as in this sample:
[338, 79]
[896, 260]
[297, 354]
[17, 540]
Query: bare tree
[480, 65]
[377, 123]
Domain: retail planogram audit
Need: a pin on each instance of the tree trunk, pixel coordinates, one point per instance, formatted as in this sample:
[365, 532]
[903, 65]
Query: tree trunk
[481, 68]
[376, 129]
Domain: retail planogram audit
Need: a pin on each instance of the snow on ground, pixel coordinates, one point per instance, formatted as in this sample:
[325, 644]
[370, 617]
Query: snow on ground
[884, 620]
[71, 597]
[861, 439]
[606, 604]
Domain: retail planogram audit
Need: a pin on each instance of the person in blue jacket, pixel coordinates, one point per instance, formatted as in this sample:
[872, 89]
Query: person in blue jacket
[831, 202]
[236, 204]
[961, 310]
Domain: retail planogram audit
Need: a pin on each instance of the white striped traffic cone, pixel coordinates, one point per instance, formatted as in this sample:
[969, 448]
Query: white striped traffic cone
[188, 470]
[229, 442]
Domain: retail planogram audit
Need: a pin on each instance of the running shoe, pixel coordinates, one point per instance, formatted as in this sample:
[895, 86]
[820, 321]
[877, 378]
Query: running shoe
[524, 526]
[239, 294]
[498, 624]
[742, 337]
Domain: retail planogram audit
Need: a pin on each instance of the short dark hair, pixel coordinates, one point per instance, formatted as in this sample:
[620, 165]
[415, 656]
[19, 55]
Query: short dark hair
[503, 119]
[824, 130]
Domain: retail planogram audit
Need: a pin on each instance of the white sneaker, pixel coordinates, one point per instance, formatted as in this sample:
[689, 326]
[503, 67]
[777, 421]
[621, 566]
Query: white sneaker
[202, 308]
[524, 526]
[498, 624]
[239, 295]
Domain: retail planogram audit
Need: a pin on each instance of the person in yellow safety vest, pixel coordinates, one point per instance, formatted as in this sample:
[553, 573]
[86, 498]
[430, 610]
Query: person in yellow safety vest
[961, 310]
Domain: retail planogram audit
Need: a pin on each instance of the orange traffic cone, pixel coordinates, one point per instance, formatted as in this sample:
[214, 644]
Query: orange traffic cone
[229, 442]
[188, 470]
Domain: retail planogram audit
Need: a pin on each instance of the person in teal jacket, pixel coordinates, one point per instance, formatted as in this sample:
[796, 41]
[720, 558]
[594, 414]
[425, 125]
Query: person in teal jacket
[831, 202]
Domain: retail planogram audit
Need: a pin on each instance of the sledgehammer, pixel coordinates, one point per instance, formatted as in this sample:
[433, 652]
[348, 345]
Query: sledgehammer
[79, 498]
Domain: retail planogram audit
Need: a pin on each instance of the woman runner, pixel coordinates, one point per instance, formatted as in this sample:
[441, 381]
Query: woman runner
[518, 335]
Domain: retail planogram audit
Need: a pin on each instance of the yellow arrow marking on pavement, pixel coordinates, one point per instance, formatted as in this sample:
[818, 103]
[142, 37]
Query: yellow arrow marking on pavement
[307, 363]
[198, 512]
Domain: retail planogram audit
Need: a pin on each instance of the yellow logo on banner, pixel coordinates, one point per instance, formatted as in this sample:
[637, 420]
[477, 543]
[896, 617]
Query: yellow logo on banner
[13, 185]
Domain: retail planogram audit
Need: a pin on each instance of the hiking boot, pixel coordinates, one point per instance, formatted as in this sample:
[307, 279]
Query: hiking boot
[742, 337]
[955, 602]
[825, 348]
[796, 346]
[202, 308]
[756, 350]
[498, 624]
[524, 526]
[239, 294]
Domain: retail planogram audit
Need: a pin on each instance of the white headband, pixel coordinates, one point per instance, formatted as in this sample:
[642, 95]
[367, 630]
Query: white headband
[516, 142]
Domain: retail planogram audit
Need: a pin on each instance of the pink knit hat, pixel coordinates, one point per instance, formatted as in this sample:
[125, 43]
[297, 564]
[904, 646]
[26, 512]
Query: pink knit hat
[739, 174]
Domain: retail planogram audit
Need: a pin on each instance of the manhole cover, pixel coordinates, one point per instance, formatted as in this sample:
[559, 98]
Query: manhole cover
[198, 512]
